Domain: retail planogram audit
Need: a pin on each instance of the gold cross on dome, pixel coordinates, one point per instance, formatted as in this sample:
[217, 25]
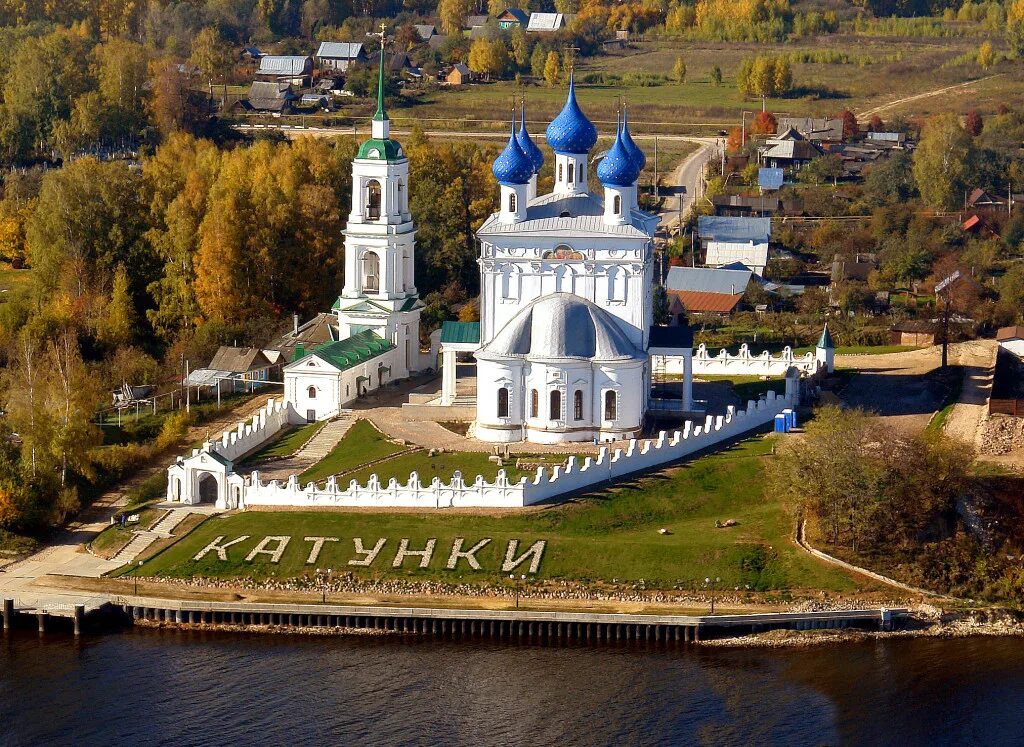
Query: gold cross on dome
[383, 26]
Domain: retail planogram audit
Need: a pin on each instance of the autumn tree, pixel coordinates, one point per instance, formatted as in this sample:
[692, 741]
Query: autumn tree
[452, 14]
[679, 70]
[973, 123]
[489, 57]
[210, 55]
[764, 123]
[986, 55]
[552, 68]
[851, 128]
[941, 161]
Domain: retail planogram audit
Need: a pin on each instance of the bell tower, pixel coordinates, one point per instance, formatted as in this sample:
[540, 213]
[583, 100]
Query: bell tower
[380, 285]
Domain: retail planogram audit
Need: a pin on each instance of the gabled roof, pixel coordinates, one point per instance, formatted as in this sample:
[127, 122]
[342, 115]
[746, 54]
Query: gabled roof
[570, 215]
[239, 360]
[360, 305]
[269, 95]
[708, 280]
[458, 332]
[425, 30]
[340, 50]
[473, 21]
[515, 14]
[461, 69]
[793, 150]
[734, 230]
[545, 21]
[344, 354]
[284, 65]
[814, 128]
[712, 303]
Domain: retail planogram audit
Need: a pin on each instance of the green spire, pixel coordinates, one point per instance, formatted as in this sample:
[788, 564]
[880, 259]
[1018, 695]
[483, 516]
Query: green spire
[381, 115]
[825, 341]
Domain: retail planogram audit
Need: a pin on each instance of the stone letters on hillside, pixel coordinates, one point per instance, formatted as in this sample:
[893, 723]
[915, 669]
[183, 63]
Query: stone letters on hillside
[463, 554]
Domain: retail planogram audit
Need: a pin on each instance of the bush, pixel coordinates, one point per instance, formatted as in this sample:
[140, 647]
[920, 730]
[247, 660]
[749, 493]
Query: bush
[174, 429]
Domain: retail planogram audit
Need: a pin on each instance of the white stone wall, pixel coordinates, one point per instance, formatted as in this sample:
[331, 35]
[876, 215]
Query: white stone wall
[251, 434]
[505, 494]
[743, 363]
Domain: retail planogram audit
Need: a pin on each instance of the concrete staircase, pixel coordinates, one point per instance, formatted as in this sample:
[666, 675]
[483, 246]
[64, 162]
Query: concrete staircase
[163, 529]
[312, 452]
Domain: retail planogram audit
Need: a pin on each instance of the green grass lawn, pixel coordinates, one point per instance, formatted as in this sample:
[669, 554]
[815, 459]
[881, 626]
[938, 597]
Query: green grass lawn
[113, 538]
[287, 443]
[749, 386]
[611, 535]
[363, 443]
[11, 278]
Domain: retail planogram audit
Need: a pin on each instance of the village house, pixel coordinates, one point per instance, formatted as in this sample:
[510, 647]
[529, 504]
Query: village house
[425, 31]
[296, 70]
[473, 22]
[731, 230]
[458, 75]
[789, 150]
[339, 55]
[859, 267]
[982, 201]
[513, 18]
[748, 206]
[270, 97]
[704, 290]
[546, 22]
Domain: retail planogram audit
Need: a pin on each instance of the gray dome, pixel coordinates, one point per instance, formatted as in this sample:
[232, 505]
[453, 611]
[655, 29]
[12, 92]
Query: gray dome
[562, 325]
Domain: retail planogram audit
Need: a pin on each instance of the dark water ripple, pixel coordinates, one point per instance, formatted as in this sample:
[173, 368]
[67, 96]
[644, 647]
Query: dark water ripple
[177, 688]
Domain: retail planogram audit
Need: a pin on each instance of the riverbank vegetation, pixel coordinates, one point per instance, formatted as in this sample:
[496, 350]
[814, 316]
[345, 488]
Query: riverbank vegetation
[908, 507]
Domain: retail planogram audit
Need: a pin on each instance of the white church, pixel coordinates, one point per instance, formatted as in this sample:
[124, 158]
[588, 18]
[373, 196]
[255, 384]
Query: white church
[565, 342]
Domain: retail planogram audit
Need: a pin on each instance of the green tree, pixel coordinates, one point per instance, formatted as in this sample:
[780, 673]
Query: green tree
[120, 320]
[75, 398]
[661, 312]
[716, 76]
[210, 55]
[520, 43]
[941, 161]
[538, 59]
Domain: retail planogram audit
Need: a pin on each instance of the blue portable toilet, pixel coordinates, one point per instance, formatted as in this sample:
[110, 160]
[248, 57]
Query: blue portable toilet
[790, 419]
[780, 423]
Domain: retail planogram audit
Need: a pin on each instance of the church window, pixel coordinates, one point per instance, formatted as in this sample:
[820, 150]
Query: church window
[559, 172]
[610, 405]
[555, 409]
[401, 196]
[503, 402]
[616, 284]
[577, 404]
[371, 273]
[512, 202]
[534, 403]
[617, 205]
[572, 173]
[311, 392]
[373, 199]
[510, 284]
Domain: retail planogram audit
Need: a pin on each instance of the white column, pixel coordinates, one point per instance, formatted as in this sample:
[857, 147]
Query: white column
[448, 364]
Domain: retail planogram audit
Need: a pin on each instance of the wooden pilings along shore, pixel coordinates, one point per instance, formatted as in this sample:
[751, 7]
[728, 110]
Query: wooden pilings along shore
[516, 624]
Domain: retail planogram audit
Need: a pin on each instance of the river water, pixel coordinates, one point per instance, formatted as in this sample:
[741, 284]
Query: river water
[170, 687]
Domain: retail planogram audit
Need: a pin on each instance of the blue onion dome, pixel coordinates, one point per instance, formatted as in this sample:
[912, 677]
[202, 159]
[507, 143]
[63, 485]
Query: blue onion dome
[632, 147]
[571, 131]
[527, 145]
[618, 168]
[512, 166]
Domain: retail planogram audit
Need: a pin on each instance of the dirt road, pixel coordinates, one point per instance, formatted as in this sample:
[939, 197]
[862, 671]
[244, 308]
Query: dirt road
[918, 96]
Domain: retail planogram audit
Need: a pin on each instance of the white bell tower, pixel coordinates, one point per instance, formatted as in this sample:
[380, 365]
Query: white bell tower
[380, 285]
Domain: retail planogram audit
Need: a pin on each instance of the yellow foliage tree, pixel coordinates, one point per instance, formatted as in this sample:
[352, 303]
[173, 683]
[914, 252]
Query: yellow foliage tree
[552, 68]
[986, 55]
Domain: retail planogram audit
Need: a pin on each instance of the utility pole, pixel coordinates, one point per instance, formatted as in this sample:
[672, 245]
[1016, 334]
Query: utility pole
[946, 285]
[655, 169]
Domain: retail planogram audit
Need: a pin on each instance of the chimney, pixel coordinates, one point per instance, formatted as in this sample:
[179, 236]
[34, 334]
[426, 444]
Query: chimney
[295, 324]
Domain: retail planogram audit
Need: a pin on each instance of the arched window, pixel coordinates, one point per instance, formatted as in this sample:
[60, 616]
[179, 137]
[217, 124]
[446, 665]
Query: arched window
[371, 273]
[512, 202]
[616, 284]
[611, 405]
[559, 172]
[572, 172]
[311, 392]
[577, 404]
[401, 195]
[503, 402]
[617, 205]
[534, 403]
[555, 405]
[373, 199]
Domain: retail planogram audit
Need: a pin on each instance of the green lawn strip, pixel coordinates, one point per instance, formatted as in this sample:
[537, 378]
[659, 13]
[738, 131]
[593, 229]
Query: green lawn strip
[606, 536]
[749, 386]
[443, 466]
[363, 443]
[287, 443]
[11, 278]
[108, 542]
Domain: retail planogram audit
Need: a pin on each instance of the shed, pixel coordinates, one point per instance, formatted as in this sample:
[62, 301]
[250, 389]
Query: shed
[917, 332]
[707, 290]
[246, 367]
[734, 230]
[270, 96]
